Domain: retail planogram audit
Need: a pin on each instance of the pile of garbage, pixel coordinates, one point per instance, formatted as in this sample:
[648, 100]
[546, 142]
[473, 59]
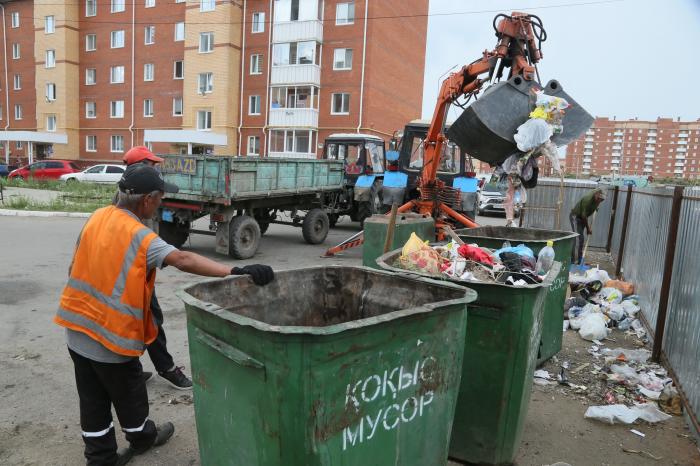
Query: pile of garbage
[534, 139]
[599, 304]
[510, 265]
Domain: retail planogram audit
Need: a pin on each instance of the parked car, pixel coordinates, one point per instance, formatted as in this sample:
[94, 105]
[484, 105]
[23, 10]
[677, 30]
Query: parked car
[492, 200]
[44, 170]
[104, 173]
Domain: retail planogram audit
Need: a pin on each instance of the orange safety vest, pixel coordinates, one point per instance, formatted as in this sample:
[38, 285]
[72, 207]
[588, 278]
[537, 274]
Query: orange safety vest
[109, 291]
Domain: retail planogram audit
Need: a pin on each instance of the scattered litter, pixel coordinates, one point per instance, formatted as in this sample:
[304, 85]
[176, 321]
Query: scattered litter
[670, 400]
[593, 327]
[636, 432]
[542, 374]
[651, 394]
[640, 355]
[182, 399]
[580, 368]
[642, 453]
[25, 356]
[621, 413]
[566, 325]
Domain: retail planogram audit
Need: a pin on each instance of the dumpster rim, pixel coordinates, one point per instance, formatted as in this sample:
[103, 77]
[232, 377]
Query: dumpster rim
[546, 282]
[230, 316]
[568, 234]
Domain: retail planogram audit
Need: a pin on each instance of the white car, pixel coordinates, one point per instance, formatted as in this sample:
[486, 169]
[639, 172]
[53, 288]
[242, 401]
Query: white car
[104, 173]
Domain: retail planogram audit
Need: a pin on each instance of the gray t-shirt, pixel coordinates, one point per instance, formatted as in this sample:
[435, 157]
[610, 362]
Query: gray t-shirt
[83, 344]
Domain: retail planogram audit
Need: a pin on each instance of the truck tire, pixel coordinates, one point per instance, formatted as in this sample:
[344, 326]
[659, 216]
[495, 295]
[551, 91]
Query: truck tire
[371, 207]
[243, 237]
[315, 226]
[174, 234]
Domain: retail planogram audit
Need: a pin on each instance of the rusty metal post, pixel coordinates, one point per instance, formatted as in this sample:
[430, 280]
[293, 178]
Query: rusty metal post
[668, 273]
[623, 236]
[612, 219]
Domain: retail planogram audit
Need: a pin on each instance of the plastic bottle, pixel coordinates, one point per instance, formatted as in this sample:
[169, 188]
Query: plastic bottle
[545, 259]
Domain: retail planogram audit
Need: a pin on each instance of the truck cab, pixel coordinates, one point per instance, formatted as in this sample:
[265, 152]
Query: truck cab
[455, 166]
[364, 162]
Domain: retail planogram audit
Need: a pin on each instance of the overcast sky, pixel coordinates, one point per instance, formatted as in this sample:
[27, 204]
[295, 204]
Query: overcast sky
[629, 58]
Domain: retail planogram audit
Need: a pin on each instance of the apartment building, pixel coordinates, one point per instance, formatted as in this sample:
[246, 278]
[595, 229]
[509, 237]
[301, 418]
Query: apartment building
[662, 148]
[88, 79]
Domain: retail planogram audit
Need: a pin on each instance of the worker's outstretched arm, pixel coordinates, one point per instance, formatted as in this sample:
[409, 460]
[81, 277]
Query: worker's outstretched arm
[196, 264]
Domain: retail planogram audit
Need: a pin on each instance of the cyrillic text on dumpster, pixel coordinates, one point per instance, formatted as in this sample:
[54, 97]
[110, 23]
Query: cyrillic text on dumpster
[388, 384]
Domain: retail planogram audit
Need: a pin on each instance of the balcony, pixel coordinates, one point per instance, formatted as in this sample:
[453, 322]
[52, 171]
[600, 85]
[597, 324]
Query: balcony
[682, 135]
[681, 149]
[294, 117]
[680, 164]
[590, 132]
[619, 133]
[649, 163]
[682, 142]
[296, 74]
[617, 147]
[651, 141]
[294, 31]
[651, 149]
[586, 160]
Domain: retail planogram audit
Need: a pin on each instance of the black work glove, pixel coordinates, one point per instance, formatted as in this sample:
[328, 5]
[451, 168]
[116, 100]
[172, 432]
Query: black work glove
[261, 274]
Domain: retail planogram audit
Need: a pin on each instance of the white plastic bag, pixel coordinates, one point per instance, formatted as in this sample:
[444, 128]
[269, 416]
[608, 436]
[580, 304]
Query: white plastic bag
[616, 312]
[611, 295]
[640, 355]
[593, 327]
[550, 102]
[549, 150]
[621, 413]
[533, 133]
[596, 274]
[630, 308]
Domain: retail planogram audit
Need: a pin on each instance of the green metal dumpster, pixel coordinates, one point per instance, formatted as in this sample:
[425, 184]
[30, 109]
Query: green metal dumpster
[375, 231]
[505, 326]
[325, 366]
[493, 237]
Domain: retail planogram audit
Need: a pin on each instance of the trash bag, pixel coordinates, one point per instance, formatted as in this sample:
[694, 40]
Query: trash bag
[475, 253]
[630, 307]
[621, 413]
[597, 274]
[520, 250]
[625, 287]
[616, 312]
[593, 327]
[530, 173]
[610, 295]
[533, 133]
[550, 151]
[550, 103]
[413, 244]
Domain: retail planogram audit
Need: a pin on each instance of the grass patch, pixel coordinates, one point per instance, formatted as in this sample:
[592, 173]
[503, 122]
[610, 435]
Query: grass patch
[73, 197]
[73, 187]
[60, 204]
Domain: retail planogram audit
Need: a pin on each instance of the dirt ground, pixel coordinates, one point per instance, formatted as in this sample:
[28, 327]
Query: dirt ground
[39, 422]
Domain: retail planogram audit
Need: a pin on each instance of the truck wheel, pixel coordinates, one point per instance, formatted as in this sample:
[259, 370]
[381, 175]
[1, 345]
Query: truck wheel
[371, 207]
[244, 237]
[315, 226]
[174, 234]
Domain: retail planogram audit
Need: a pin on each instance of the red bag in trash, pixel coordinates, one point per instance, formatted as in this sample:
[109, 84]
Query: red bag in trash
[475, 253]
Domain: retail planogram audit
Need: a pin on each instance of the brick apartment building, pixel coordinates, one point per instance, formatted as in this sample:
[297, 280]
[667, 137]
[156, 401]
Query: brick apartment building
[87, 79]
[662, 148]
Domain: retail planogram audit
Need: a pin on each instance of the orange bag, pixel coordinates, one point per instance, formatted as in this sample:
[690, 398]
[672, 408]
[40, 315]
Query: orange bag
[625, 287]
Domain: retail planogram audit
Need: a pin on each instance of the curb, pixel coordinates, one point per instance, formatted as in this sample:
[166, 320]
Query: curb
[40, 213]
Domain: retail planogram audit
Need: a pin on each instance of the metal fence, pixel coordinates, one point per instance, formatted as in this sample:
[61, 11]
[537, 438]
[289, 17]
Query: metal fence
[666, 288]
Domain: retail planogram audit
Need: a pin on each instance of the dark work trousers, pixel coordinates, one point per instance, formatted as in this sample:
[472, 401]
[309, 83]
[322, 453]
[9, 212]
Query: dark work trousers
[101, 386]
[157, 350]
[578, 225]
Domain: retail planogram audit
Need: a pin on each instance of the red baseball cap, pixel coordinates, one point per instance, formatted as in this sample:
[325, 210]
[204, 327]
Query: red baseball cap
[138, 154]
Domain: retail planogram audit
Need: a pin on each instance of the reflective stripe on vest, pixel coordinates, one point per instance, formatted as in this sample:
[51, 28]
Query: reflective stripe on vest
[109, 317]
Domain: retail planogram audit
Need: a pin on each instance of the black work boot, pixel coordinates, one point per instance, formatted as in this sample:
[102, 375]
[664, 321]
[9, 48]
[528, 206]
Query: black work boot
[164, 432]
[176, 379]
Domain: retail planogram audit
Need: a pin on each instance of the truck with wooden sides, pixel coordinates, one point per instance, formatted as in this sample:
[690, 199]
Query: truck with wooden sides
[242, 196]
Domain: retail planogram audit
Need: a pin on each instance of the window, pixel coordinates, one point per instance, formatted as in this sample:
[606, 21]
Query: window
[117, 39]
[300, 141]
[91, 143]
[18, 145]
[179, 70]
[50, 58]
[206, 83]
[149, 146]
[340, 104]
[15, 51]
[90, 42]
[150, 3]
[116, 74]
[50, 92]
[49, 25]
[90, 110]
[149, 72]
[117, 144]
[17, 82]
[90, 76]
[254, 105]
[206, 42]
[179, 31]
[256, 63]
[0, 112]
[345, 13]
[295, 53]
[253, 145]
[118, 6]
[149, 33]
[15, 19]
[203, 120]
[297, 10]
[148, 108]
[90, 7]
[294, 97]
[342, 59]
[113, 169]
[207, 5]
[177, 106]
[116, 109]
[18, 112]
[50, 122]
[258, 22]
